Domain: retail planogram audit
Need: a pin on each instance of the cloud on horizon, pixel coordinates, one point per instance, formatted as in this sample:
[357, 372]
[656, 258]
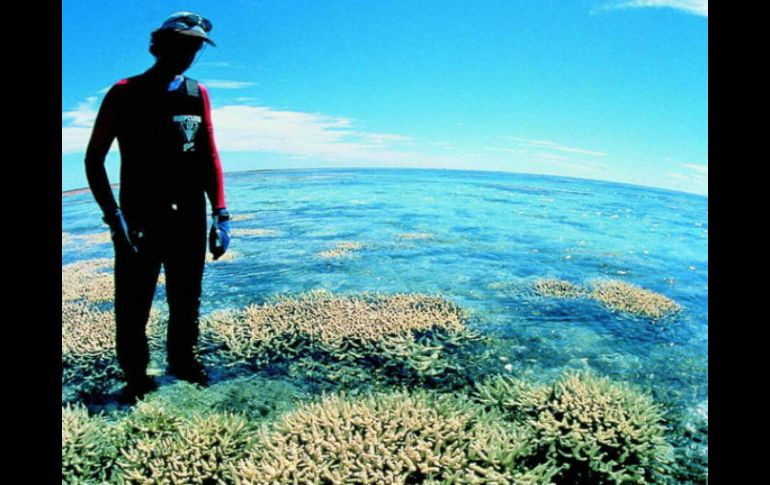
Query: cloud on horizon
[695, 7]
[249, 128]
[225, 84]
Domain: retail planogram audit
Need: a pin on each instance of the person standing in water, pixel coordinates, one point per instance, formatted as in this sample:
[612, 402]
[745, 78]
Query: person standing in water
[168, 165]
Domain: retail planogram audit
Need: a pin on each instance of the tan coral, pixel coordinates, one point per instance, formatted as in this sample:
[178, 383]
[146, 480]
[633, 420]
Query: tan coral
[415, 235]
[621, 296]
[393, 438]
[558, 288]
[254, 232]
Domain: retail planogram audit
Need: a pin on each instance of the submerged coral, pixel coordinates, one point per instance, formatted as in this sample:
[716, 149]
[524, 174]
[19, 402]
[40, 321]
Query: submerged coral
[254, 232]
[89, 447]
[90, 280]
[329, 320]
[626, 297]
[558, 288]
[394, 438]
[595, 430]
[341, 250]
[415, 235]
[397, 336]
[99, 238]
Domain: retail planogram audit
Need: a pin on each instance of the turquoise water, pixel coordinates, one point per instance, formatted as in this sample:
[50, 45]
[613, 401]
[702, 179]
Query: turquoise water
[492, 236]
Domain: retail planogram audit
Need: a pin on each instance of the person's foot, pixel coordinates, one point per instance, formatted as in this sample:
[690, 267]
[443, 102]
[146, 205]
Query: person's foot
[192, 372]
[136, 389]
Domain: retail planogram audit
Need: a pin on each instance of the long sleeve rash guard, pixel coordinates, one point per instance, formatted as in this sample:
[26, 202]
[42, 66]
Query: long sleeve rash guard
[166, 139]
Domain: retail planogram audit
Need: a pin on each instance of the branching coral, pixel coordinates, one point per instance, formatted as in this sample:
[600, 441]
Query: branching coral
[415, 235]
[89, 280]
[348, 327]
[254, 232]
[395, 439]
[89, 447]
[596, 430]
[622, 296]
[200, 451]
[99, 238]
[558, 288]
[341, 250]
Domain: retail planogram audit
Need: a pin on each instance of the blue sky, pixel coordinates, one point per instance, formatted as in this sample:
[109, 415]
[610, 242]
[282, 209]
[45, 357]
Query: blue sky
[611, 90]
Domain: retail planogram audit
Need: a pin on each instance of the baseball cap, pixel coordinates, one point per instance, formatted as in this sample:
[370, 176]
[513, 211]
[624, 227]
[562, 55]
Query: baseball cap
[188, 23]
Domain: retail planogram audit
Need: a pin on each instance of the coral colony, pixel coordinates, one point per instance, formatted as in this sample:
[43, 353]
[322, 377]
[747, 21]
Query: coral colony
[614, 294]
[420, 418]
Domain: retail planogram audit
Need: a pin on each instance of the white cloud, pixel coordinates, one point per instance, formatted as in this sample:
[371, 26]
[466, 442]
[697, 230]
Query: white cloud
[82, 116]
[225, 84]
[695, 7]
[694, 179]
[700, 169]
[554, 146]
[263, 129]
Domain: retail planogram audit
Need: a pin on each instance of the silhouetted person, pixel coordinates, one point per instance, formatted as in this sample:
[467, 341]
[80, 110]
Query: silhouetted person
[169, 163]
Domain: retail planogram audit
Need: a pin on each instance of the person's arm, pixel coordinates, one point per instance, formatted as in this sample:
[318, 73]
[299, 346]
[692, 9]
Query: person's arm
[103, 134]
[215, 187]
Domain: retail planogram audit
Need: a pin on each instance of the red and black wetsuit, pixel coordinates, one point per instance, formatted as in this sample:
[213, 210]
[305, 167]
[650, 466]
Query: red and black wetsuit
[169, 164]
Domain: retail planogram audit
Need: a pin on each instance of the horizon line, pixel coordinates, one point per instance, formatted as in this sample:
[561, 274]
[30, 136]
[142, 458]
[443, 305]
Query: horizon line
[80, 190]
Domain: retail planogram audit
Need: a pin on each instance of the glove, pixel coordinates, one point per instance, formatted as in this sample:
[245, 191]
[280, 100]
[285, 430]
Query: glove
[219, 236]
[121, 236]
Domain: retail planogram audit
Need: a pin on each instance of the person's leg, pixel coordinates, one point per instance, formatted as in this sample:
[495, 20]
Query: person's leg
[183, 262]
[135, 278]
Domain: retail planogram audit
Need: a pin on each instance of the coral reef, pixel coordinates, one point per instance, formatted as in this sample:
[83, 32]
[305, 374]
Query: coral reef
[199, 451]
[100, 238]
[595, 430]
[415, 235]
[341, 250]
[89, 447]
[66, 238]
[409, 337]
[621, 296]
[558, 288]
[88, 346]
[393, 438]
[254, 232]
[90, 280]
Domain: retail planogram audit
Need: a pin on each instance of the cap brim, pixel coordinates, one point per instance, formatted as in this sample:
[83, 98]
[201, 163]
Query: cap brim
[192, 33]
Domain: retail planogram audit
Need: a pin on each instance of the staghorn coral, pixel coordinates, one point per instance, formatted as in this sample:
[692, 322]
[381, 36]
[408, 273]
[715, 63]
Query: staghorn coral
[88, 343]
[88, 280]
[100, 238]
[89, 447]
[198, 451]
[340, 324]
[595, 430]
[558, 288]
[393, 438]
[621, 296]
[415, 235]
[341, 250]
[254, 232]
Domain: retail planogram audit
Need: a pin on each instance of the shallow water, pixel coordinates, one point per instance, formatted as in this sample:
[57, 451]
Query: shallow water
[480, 239]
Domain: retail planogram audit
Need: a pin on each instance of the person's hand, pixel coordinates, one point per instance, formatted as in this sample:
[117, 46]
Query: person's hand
[219, 236]
[121, 235]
